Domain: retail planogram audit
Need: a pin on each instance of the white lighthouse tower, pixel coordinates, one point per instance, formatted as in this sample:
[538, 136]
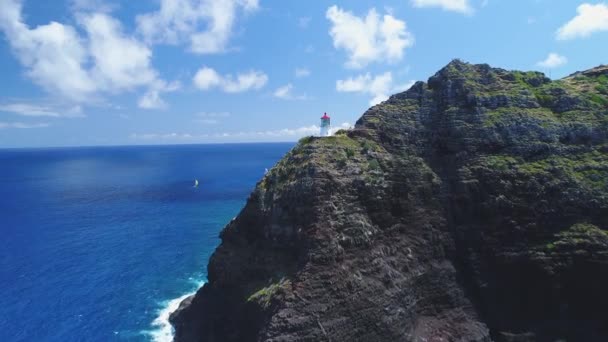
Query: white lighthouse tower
[325, 125]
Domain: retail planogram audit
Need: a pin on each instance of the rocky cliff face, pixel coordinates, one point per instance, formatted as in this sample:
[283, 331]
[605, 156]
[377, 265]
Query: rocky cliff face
[473, 207]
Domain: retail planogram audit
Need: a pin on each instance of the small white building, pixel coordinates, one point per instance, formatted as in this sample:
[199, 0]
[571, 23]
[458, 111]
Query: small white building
[325, 125]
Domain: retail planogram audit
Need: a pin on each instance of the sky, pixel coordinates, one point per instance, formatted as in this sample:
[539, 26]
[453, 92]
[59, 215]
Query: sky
[92, 72]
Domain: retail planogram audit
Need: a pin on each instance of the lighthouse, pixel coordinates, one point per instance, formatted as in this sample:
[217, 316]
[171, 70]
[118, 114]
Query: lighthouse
[325, 125]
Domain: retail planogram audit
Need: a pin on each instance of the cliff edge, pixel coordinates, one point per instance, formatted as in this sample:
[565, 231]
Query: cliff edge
[472, 207]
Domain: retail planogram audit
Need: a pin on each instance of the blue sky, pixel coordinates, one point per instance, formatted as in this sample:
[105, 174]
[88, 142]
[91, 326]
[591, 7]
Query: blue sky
[90, 72]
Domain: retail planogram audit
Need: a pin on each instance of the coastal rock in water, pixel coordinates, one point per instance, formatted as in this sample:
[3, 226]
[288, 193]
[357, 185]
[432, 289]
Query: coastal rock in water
[473, 207]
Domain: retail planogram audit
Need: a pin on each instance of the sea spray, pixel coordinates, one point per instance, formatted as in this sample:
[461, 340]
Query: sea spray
[162, 330]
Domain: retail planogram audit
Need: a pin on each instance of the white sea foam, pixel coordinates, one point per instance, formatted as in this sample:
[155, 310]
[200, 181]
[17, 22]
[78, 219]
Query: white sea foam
[162, 330]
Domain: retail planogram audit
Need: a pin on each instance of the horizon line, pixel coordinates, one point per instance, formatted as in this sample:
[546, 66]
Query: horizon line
[146, 145]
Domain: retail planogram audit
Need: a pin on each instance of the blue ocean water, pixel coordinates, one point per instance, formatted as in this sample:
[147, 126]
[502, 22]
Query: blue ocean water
[97, 243]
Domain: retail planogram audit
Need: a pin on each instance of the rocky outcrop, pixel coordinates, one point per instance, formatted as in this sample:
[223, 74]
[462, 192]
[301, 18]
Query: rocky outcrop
[473, 207]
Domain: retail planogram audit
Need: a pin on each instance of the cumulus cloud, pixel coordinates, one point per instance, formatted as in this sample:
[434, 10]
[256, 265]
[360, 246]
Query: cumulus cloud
[206, 25]
[22, 125]
[151, 99]
[379, 86]
[368, 39]
[553, 60]
[462, 6]
[207, 79]
[74, 66]
[286, 93]
[589, 19]
[120, 62]
[53, 54]
[302, 72]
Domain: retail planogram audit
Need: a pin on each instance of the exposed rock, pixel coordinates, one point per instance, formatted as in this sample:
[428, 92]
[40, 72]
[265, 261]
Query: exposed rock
[594, 72]
[473, 207]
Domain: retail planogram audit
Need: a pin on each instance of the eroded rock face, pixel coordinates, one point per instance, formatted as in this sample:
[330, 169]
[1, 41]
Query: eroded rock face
[473, 207]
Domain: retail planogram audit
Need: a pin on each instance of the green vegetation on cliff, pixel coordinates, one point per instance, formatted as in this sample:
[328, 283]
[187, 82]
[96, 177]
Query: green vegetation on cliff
[473, 207]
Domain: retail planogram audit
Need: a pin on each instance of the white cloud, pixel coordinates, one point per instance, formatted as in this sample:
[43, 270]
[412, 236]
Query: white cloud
[207, 78]
[368, 39]
[26, 109]
[285, 92]
[403, 87]
[162, 136]
[53, 54]
[292, 132]
[179, 21]
[151, 99]
[553, 60]
[76, 67]
[462, 6]
[245, 81]
[379, 86]
[22, 125]
[42, 110]
[589, 19]
[285, 134]
[121, 62]
[302, 72]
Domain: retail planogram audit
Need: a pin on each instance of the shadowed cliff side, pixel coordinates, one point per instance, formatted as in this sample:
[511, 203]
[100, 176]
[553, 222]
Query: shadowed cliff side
[473, 207]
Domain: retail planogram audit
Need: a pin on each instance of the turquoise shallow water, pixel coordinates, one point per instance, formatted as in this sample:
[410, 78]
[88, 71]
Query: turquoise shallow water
[97, 243]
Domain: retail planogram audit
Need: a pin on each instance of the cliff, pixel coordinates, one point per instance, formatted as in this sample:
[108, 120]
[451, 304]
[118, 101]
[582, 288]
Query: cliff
[473, 207]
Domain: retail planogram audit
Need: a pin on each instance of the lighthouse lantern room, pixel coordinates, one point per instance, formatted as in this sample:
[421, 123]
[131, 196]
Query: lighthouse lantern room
[325, 125]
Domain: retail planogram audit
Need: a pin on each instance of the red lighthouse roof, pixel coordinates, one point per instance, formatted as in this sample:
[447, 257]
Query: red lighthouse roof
[325, 116]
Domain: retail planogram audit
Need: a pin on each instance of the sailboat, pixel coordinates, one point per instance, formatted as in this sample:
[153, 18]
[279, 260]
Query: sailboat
[196, 183]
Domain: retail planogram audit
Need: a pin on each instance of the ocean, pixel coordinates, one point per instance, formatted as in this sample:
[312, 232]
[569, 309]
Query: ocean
[99, 243]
